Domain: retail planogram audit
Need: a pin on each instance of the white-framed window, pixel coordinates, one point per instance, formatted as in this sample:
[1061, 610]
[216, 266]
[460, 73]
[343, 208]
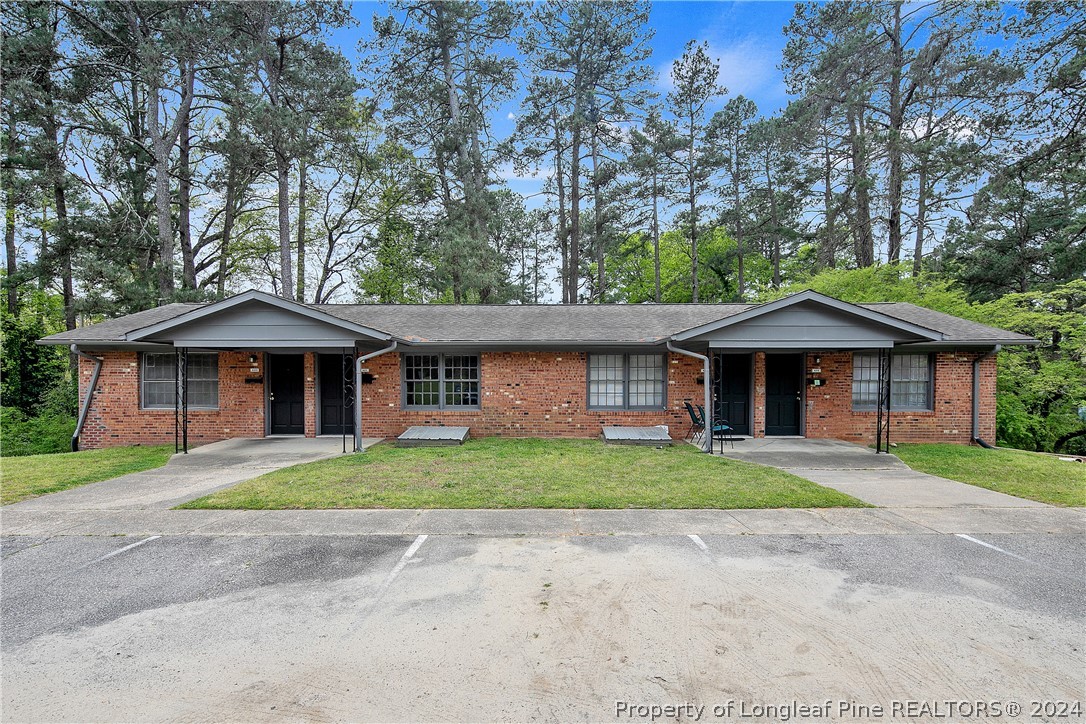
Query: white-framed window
[626, 381]
[910, 381]
[441, 381]
[159, 374]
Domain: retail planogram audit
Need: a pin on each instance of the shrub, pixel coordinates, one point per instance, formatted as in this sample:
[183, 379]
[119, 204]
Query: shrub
[22, 435]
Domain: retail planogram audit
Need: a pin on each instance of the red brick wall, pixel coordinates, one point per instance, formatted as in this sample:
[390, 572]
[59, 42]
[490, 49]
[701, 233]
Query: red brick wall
[115, 417]
[758, 398]
[829, 408]
[310, 411]
[527, 394]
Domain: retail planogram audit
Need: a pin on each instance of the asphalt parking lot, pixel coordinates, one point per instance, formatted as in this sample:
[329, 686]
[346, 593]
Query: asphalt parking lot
[406, 628]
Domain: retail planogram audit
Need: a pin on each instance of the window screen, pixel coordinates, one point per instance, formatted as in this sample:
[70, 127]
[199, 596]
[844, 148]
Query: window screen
[159, 373]
[626, 380]
[439, 381]
[910, 381]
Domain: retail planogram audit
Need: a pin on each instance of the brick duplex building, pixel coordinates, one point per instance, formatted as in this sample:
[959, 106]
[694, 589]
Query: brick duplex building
[807, 365]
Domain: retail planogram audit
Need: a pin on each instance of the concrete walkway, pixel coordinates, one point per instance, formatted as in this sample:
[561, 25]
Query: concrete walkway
[535, 522]
[878, 479]
[139, 504]
[203, 470]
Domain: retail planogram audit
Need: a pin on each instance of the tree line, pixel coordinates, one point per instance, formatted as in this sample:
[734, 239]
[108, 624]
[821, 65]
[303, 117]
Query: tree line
[163, 151]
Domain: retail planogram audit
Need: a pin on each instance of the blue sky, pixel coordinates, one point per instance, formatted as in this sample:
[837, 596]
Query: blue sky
[744, 37]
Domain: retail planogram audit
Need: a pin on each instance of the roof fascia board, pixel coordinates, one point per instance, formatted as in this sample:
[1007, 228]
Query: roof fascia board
[950, 345]
[532, 345]
[810, 296]
[104, 344]
[801, 345]
[255, 296]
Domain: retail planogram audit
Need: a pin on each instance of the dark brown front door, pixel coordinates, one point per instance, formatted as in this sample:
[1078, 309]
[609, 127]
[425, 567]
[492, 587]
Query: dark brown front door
[783, 393]
[286, 394]
[336, 407]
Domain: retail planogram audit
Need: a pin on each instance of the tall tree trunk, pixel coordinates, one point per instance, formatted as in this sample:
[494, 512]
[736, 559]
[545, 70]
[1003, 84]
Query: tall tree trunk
[896, 123]
[863, 239]
[227, 228]
[9, 217]
[921, 216]
[827, 250]
[693, 199]
[656, 234]
[303, 183]
[575, 212]
[562, 228]
[162, 200]
[62, 234]
[775, 221]
[184, 195]
[597, 231]
[286, 272]
[738, 201]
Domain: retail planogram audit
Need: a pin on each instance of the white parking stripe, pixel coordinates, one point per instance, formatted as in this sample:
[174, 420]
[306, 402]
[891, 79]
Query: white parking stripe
[698, 541]
[412, 549]
[119, 551]
[997, 548]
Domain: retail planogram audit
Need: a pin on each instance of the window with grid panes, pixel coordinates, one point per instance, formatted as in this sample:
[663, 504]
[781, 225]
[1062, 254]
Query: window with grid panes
[626, 381]
[440, 381]
[910, 381]
[159, 374]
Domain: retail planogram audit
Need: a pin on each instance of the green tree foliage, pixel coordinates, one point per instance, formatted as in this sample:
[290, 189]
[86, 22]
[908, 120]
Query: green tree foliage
[33, 376]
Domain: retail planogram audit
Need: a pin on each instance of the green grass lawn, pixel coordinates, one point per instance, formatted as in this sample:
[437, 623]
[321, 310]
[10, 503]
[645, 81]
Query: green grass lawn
[527, 473]
[1027, 475]
[32, 475]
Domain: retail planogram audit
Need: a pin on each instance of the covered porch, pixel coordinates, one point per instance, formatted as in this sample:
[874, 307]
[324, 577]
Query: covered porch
[289, 368]
[785, 369]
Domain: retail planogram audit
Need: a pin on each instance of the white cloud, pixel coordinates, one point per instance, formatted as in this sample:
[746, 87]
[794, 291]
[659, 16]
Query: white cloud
[747, 67]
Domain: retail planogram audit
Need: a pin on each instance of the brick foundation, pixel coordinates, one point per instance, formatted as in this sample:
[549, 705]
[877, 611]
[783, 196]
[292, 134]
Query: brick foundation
[529, 394]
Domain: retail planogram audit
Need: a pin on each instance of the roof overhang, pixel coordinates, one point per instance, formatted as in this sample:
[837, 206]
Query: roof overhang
[161, 332]
[897, 330]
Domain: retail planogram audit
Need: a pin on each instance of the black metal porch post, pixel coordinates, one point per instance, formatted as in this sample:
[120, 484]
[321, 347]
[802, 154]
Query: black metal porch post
[878, 404]
[176, 400]
[343, 396]
[185, 399]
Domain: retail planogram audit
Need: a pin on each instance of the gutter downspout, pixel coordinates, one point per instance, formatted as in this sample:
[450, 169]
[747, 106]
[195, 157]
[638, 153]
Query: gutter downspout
[85, 408]
[976, 395]
[708, 392]
[358, 392]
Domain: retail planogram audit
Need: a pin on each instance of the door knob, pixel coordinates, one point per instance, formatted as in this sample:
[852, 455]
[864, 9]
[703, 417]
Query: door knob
[271, 397]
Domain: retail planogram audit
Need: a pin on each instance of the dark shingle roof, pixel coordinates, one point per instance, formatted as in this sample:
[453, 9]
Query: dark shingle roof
[116, 328]
[953, 328]
[533, 323]
[498, 324]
